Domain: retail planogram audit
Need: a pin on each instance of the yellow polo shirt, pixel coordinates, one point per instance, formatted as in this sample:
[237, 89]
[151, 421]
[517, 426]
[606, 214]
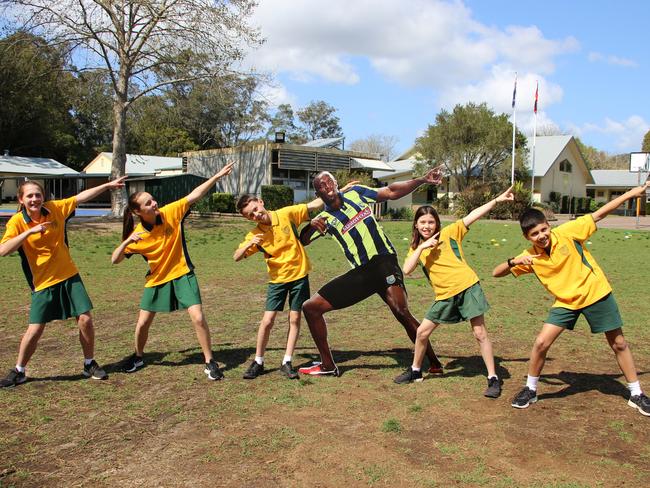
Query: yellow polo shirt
[445, 265]
[45, 256]
[569, 272]
[286, 259]
[163, 245]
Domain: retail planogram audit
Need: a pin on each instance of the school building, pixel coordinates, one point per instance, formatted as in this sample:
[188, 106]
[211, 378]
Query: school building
[278, 163]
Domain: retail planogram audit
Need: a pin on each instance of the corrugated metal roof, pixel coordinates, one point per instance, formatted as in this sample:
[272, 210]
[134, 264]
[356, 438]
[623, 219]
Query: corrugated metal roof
[403, 166]
[33, 166]
[329, 142]
[616, 178]
[144, 164]
[547, 150]
[374, 164]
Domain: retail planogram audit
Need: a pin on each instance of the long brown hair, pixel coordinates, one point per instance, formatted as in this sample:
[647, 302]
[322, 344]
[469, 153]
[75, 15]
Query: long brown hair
[423, 210]
[21, 191]
[127, 221]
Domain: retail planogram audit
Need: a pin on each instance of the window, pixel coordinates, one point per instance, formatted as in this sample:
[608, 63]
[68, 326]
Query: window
[600, 194]
[432, 194]
[565, 166]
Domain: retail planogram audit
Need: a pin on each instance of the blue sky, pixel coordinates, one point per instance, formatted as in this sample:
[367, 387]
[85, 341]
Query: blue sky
[390, 66]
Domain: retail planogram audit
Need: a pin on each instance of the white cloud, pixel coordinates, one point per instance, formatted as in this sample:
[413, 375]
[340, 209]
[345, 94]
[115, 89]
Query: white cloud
[596, 57]
[276, 94]
[434, 44]
[625, 135]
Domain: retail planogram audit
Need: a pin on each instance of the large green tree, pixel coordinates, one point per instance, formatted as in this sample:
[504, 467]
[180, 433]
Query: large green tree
[35, 112]
[319, 120]
[284, 120]
[134, 41]
[472, 142]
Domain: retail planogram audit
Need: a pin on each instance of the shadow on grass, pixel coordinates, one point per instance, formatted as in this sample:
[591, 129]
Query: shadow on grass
[470, 366]
[608, 384]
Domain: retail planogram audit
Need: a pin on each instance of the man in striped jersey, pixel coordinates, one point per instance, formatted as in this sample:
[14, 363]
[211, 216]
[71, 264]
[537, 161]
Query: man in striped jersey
[349, 219]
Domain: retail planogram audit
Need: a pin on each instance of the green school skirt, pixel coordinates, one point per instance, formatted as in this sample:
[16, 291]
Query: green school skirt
[59, 302]
[177, 294]
[466, 305]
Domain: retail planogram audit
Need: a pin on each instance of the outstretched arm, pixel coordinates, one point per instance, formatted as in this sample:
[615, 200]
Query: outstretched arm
[401, 188]
[200, 191]
[477, 213]
[603, 211]
[91, 193]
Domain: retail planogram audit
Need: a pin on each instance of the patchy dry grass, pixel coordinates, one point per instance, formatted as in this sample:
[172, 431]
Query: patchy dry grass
[166, 425]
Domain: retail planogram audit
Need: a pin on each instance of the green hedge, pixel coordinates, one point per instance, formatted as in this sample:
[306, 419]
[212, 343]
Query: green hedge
[217, 202]
[276, 196]
[223, 202]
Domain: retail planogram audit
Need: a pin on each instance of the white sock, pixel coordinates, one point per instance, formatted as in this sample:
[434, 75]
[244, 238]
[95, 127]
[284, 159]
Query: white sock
[21, 369]
[531, 382]
[88, 361]
[635, 388]
[493, 376]
[259, 360]
[415, 369]
[286, 359]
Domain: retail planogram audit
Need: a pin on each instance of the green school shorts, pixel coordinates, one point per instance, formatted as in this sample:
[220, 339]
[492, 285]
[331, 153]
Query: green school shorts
[177, 294]
[298, 292]
[59, 302]
[601, 316]
[466, 305]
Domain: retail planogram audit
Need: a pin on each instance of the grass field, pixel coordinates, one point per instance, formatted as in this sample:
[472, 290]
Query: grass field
[166, 425]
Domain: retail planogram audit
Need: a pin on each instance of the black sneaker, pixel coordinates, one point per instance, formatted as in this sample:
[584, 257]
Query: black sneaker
[94, 371]
[494, 388]
[253, 371]
[524, 398]
[132, 363]
[213, 371]
[288, 370]
[14, 378]
[408, 376]
[640, 402]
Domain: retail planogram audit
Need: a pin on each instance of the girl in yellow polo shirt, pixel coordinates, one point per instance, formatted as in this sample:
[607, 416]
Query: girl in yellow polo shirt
[37, 231]
[170, 284]
[458, 293]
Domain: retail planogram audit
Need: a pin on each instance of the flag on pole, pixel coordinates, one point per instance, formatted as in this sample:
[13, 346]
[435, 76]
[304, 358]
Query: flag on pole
[514, 92]
[536, 95]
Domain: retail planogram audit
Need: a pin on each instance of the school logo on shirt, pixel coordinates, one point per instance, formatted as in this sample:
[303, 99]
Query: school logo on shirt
[390, 279]
[286, 229]
[364, 214]
[564, 250]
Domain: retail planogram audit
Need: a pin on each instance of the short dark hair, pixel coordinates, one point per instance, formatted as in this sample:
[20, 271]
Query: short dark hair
[530, 218]
[244, 200]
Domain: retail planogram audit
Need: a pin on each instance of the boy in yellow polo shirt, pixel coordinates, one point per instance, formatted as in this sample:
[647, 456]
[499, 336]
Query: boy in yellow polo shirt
[276, 235]
[568, 271]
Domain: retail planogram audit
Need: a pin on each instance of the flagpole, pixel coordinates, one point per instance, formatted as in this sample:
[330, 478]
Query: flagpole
[514, 128]
[532, 181]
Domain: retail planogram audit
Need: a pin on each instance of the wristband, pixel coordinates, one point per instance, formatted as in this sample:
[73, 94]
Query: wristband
[510, 263]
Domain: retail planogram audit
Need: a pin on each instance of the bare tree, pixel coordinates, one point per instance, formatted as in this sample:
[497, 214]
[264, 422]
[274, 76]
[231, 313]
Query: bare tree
[376, 143]
[142, 45]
